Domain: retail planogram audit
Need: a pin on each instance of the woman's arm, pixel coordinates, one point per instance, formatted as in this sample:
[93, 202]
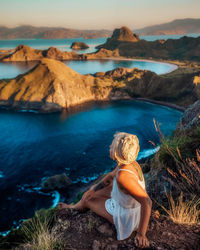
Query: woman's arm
[130, 183]
[106, 180]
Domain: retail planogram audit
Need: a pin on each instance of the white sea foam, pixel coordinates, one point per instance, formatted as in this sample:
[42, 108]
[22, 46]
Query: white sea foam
[56, 199]
[148, 152]
[29, 110]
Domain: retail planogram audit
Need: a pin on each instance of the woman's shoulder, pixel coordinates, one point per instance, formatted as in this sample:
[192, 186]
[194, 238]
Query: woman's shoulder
[133, 168]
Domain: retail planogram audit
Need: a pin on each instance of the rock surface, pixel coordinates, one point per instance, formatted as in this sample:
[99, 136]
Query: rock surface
[191, 116]
[79, 46]
[55, 182]
[89, 231]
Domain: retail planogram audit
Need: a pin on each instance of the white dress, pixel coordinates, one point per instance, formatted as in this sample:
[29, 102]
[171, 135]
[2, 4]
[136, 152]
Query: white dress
[124, 209]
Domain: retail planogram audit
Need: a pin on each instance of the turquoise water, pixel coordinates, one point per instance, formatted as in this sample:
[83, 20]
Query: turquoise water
[93, 66]
[64, 44]
[35, 146]
[10, 70]
[165, 37]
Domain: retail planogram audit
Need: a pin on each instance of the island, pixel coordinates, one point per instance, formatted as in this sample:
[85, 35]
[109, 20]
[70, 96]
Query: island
[79, 46]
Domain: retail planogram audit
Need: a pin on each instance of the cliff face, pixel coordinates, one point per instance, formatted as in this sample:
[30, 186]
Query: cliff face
[185, 48]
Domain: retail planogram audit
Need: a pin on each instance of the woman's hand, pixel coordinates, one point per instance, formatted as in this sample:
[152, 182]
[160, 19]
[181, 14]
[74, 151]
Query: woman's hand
[141, 240]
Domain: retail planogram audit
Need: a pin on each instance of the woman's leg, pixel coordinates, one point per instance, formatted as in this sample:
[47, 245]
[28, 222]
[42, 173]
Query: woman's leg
[97, 205]
[94, 201]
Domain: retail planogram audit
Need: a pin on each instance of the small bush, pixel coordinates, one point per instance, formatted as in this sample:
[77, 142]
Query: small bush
[187, 143]
[183, 212]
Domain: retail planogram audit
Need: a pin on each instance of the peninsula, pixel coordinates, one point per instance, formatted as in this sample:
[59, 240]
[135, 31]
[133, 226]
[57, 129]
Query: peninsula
[52, 86]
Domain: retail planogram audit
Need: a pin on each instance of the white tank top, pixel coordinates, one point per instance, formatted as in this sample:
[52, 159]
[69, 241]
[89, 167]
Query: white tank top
[124, 209]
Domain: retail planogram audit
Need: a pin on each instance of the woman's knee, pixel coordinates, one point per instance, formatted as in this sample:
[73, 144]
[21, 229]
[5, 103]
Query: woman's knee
[88, 196]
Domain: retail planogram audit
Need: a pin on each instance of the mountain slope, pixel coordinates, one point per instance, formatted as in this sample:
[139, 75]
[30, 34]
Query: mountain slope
[49, 32]
[179, 26]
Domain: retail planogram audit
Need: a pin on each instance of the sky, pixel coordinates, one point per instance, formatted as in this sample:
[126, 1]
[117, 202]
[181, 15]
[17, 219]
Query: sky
[95, 14]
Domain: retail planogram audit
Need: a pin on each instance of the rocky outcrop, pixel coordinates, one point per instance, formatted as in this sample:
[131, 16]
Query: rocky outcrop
[191, 116]
[185, 48]
[23, 53]
[102, 53]
[124, 34]
[57, 54]
[89, 231]
[26, 53]
[59, 181]
[79, 46]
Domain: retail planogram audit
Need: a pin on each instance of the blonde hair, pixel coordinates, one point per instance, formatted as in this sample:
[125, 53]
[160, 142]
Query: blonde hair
[124, 148]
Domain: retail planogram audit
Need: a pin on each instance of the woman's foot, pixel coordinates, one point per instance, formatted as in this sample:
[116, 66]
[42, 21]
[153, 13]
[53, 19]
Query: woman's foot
[62, 205]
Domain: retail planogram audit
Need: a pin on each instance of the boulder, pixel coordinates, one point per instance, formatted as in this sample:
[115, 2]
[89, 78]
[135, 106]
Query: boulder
[58, 181]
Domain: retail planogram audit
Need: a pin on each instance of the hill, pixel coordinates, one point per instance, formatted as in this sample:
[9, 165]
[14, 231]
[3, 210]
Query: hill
[52, 86]
[176, 27]
[49, 32]
[185, 48]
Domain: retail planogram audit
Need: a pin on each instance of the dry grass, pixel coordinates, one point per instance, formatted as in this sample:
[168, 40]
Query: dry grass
[185, 175]
[37, 231]
[183, 212]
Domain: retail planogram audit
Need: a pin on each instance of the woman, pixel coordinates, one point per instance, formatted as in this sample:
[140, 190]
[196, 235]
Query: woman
[121, 197]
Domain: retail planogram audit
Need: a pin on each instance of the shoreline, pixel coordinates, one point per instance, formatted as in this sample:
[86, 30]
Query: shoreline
[162, 103]
[174, 65]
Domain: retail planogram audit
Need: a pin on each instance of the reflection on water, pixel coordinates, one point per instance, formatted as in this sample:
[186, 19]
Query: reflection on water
[12, 69]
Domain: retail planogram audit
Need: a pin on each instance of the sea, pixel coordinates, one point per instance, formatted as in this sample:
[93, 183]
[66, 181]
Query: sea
[36, 146]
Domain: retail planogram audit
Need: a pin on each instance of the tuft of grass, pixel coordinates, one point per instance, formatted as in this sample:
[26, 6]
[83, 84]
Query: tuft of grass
[37, 231]
[183, 212]
[185, 174]
[186, 143]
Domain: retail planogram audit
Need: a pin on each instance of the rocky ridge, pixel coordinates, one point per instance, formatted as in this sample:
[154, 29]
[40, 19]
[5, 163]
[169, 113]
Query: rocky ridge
[184, 48]
[25, 53]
